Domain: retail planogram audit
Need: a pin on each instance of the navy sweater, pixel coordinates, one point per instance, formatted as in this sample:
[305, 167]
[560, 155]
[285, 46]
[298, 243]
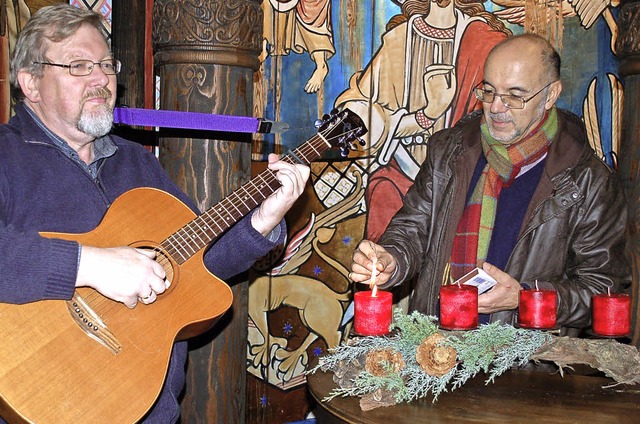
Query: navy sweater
[512, 205]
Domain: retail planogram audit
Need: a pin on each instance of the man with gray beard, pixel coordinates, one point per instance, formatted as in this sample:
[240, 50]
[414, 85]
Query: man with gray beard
[60, 170]
[514, 189]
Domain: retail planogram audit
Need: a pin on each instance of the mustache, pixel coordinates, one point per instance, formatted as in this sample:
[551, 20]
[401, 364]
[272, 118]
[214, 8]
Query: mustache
[102, 92]
[500, 117]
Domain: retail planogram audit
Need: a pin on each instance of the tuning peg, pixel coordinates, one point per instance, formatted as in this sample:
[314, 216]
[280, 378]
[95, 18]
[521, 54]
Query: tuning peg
[344, 152]
[362, 142]
[318, 123]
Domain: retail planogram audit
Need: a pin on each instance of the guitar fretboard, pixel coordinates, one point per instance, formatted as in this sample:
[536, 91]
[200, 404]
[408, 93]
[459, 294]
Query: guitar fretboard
[204, 229]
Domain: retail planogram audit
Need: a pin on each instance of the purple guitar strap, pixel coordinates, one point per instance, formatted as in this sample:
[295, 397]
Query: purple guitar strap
[195, 121]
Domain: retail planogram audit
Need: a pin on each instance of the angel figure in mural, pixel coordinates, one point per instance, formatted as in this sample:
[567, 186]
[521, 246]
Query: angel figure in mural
[299, 26]
[588, 11]
[419, 81]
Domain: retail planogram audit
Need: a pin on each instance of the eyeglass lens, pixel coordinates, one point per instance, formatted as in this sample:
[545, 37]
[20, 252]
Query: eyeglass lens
[510, 101]
[85, 67]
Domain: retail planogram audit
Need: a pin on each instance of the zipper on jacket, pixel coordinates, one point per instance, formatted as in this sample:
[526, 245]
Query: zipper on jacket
[557, 189]
[98, 184]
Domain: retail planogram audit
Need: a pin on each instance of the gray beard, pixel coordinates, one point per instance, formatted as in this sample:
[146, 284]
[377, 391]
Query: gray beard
[509, 139]
[96, 124]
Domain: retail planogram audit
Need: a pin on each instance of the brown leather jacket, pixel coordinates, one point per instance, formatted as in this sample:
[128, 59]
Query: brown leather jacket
[572, 238]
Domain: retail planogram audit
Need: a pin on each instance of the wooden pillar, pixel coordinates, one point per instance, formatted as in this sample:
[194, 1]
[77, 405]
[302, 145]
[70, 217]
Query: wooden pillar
[127, 42]
[4, 72]
[13, 17]
[206, 53]
[628, 48]
[131, 44]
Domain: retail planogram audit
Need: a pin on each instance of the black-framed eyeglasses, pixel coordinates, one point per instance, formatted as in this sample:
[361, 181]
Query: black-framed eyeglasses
[84, 67]
[508, 100]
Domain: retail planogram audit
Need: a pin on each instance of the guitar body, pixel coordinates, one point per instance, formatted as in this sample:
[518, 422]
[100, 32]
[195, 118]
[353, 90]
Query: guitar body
[52, 371]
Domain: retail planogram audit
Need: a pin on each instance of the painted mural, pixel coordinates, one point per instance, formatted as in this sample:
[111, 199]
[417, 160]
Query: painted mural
[293, 26]
[407, 67]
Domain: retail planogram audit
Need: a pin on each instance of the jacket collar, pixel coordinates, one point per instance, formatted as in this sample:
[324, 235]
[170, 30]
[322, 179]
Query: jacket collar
[568, 147]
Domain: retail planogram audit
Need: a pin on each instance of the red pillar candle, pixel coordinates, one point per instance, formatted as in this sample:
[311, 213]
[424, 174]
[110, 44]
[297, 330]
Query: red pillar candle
[537, 308]
[458, 307]
[611, 314]
[372, 315]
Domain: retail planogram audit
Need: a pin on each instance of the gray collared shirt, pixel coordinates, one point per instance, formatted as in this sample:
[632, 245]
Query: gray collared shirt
[103, 147]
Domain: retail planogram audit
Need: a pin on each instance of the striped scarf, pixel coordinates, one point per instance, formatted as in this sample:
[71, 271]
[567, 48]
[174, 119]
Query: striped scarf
[473, 236]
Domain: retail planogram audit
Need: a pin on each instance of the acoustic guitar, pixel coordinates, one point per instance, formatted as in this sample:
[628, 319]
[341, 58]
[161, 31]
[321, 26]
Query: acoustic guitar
[91, 359]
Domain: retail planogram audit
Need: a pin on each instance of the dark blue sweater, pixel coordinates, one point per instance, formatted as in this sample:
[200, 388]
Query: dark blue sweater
[41, 189]
[512, 205]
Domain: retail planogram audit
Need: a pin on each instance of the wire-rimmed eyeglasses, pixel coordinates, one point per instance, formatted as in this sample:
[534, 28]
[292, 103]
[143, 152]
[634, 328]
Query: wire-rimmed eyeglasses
[508, 100]
[84, 67]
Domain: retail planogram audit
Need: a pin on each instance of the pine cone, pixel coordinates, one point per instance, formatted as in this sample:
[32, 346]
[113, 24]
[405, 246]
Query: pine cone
[435, 359]
[381, 362]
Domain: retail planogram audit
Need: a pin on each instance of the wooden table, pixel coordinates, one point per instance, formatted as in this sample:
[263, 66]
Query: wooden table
[515, 397]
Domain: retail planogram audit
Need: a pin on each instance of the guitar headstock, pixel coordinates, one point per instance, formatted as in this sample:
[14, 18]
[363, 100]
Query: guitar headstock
[342, 128]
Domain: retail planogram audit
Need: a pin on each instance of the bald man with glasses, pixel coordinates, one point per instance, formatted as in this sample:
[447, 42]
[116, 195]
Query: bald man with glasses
[514, 189]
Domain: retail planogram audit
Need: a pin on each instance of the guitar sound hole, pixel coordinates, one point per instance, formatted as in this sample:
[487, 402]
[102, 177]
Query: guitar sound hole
[167, 262]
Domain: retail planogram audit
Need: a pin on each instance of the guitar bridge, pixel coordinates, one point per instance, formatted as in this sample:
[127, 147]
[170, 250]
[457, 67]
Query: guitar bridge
[91, 323]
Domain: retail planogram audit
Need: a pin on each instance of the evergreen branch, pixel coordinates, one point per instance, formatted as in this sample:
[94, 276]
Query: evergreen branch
[491, 348]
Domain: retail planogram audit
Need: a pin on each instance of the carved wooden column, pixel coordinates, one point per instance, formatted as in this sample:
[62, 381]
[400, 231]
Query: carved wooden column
[131, 44]
[206, 53]
[628, 48]
[128, 20]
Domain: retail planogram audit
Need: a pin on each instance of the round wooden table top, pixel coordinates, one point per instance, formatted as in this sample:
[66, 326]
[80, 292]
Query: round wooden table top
[514, 397]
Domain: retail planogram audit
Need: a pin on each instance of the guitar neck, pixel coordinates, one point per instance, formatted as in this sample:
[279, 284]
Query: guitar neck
[204, 229]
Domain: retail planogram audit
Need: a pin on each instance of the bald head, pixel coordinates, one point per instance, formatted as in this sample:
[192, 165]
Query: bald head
[530, 47]
[522, 74]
